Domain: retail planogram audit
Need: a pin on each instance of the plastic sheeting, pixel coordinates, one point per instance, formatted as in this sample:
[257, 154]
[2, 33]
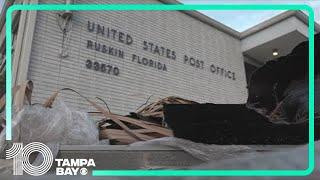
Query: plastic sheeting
[295, 158]
[201, 151]
[52, 126]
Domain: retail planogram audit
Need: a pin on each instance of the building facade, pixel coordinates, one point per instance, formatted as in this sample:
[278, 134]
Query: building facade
[128, 57]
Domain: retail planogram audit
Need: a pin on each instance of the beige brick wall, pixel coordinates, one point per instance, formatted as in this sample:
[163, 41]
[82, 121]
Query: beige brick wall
[124, 93]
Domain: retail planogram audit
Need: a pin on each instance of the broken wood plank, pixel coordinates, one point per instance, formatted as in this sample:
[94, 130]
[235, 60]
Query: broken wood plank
[160, 130]
[121, 135]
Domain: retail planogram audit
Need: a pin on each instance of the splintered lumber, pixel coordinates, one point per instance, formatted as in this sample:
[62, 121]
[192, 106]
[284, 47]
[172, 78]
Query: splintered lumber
[120, 134]
[154, 111]
[144, 124]
[158, 106]
[157, 129]
[116, 120]
[147, 125]
[117, 136]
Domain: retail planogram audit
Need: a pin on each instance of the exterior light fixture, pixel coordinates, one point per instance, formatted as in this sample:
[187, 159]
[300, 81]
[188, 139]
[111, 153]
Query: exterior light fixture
[275, 52]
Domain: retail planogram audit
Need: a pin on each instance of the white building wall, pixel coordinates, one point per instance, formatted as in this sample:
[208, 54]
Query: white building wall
[124, 93]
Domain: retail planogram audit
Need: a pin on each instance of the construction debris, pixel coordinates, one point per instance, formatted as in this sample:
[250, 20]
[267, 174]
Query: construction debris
[118, 129]
[121, 129]
[147, 125]
[154, 111]
[142, 130]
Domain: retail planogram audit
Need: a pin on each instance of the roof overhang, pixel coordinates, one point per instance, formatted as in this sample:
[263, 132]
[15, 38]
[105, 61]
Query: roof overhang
[282, 32]
[283, 44]
[299, 15]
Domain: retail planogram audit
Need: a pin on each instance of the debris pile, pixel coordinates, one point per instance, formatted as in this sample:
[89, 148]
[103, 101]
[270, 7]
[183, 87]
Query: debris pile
[120, 129]
[125, 130]
[145, 124]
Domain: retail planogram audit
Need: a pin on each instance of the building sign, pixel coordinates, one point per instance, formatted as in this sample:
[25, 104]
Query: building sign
[147, 46]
